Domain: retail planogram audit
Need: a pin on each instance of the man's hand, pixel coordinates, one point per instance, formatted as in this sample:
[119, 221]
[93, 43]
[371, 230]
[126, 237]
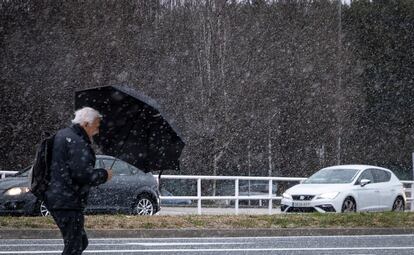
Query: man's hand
[109, 174]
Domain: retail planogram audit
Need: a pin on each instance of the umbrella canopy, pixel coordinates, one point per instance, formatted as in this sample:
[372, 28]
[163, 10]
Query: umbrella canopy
[132, 128]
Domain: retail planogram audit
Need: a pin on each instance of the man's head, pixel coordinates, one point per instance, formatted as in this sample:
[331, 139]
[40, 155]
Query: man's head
[89, 119]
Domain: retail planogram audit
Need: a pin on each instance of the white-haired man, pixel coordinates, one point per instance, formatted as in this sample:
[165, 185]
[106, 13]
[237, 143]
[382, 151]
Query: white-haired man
[72, 175]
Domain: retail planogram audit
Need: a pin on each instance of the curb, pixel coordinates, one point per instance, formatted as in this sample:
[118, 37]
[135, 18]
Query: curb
[169, 233]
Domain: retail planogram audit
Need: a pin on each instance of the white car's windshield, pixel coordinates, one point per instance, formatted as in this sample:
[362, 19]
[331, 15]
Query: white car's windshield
[332, 176]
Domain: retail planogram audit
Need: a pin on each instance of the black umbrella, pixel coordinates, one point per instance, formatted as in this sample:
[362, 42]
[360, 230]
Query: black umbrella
[133, 129]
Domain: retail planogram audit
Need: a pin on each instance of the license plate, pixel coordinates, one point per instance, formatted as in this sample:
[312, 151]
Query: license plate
[301, 204]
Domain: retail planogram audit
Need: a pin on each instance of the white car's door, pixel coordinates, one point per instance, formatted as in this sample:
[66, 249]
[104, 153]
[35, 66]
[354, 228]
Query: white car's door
[386, 189]
[368, 195]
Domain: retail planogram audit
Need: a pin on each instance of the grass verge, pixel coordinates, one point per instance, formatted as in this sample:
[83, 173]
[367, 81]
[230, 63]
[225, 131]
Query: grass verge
[314, 220]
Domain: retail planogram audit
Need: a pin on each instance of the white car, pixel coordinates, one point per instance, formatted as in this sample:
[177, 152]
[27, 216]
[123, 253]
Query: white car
[346, 188]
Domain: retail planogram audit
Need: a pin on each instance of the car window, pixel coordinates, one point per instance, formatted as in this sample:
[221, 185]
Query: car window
[381, 175]
[165, 192]
[332, 176]
[119, 168]
[135, 170]
[367, 174]
[98, 164]
[25, 172]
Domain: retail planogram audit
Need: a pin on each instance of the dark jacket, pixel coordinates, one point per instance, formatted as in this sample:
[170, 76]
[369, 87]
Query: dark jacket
[72, 170]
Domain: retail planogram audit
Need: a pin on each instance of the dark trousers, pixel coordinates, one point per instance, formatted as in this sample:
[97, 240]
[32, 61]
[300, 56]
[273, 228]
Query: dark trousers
[71, 225]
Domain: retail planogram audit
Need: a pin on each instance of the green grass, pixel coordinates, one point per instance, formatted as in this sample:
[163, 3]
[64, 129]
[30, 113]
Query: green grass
[313, 220]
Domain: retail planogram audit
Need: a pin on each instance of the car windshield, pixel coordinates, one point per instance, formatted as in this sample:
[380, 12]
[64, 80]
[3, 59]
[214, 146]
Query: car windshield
[24, 173]
[332, 176]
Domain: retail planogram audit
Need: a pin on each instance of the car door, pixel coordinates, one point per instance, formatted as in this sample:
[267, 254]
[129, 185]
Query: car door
[386, 193]
[110, 196]
[93, 202]
[368, 195]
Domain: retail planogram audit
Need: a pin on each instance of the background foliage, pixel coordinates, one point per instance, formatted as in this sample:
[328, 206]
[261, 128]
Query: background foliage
[277, 88]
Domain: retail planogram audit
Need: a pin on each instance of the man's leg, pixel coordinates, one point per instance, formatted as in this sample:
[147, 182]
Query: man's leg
[71, 225]
[85, 241]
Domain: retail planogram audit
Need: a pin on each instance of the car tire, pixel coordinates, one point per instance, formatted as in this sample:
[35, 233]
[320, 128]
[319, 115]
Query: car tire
[43, 211]
[349, 205]
[145, 205]
[398, 205]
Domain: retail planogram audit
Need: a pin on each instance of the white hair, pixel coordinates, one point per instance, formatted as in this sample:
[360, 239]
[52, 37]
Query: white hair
[86, 114]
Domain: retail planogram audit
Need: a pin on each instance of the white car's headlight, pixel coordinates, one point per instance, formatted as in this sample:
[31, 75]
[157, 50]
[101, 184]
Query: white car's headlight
[330, 195]
[17, 191]
[287, 196]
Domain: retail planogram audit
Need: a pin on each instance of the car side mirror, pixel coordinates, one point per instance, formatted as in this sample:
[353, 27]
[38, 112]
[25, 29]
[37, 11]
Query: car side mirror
[364, 182]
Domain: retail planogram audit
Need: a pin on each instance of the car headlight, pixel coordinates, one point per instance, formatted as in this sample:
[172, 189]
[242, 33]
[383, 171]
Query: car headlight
[330, 195]
[17, 191]
[287, 196]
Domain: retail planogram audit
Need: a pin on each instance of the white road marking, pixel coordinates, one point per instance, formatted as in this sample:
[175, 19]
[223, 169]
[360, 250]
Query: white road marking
[150, 244]
[182, 244]
[217, 250]
[221, 238]
[246, 237]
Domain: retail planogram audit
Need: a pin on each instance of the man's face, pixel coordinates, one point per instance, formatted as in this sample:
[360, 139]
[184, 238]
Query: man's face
[95, 126]
[92, 129]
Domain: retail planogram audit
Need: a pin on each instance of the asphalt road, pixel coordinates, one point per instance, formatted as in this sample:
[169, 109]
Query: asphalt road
[378, 244]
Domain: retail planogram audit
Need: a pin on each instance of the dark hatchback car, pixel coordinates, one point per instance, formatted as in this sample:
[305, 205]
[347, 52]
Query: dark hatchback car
[130, 191]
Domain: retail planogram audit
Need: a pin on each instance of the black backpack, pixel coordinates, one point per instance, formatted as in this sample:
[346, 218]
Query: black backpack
[40, 176]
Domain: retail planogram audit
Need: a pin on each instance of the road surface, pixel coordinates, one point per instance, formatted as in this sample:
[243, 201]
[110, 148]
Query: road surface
[379, 244]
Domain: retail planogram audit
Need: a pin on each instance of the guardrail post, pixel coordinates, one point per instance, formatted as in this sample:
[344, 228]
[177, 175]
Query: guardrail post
[236, 194]
[412, 187]
[412, 197]
[3, 173]
[270, 195]
[199, 196]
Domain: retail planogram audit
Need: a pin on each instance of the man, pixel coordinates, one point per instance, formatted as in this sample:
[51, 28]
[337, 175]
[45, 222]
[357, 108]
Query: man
[72, 175]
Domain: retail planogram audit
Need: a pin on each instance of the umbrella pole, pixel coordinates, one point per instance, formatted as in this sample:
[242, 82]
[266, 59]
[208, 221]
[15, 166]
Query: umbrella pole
[126, 139]
[113, 163]
[159, 180]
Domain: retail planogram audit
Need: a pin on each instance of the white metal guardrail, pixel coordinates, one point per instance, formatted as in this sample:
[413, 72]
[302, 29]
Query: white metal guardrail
[409, 189]
[4, 174]
[270, 197]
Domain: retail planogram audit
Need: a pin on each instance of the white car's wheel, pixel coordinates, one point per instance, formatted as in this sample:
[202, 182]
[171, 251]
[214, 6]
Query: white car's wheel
[398, 205]
[43, 210]
[144, 205]
[349, 205]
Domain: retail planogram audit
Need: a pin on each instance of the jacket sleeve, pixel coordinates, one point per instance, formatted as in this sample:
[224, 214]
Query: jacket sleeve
[81, 163]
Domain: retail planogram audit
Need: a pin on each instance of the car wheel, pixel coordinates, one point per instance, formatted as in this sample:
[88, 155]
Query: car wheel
[145, 205]
[349, 205]
[43, 210]
[398, 205]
